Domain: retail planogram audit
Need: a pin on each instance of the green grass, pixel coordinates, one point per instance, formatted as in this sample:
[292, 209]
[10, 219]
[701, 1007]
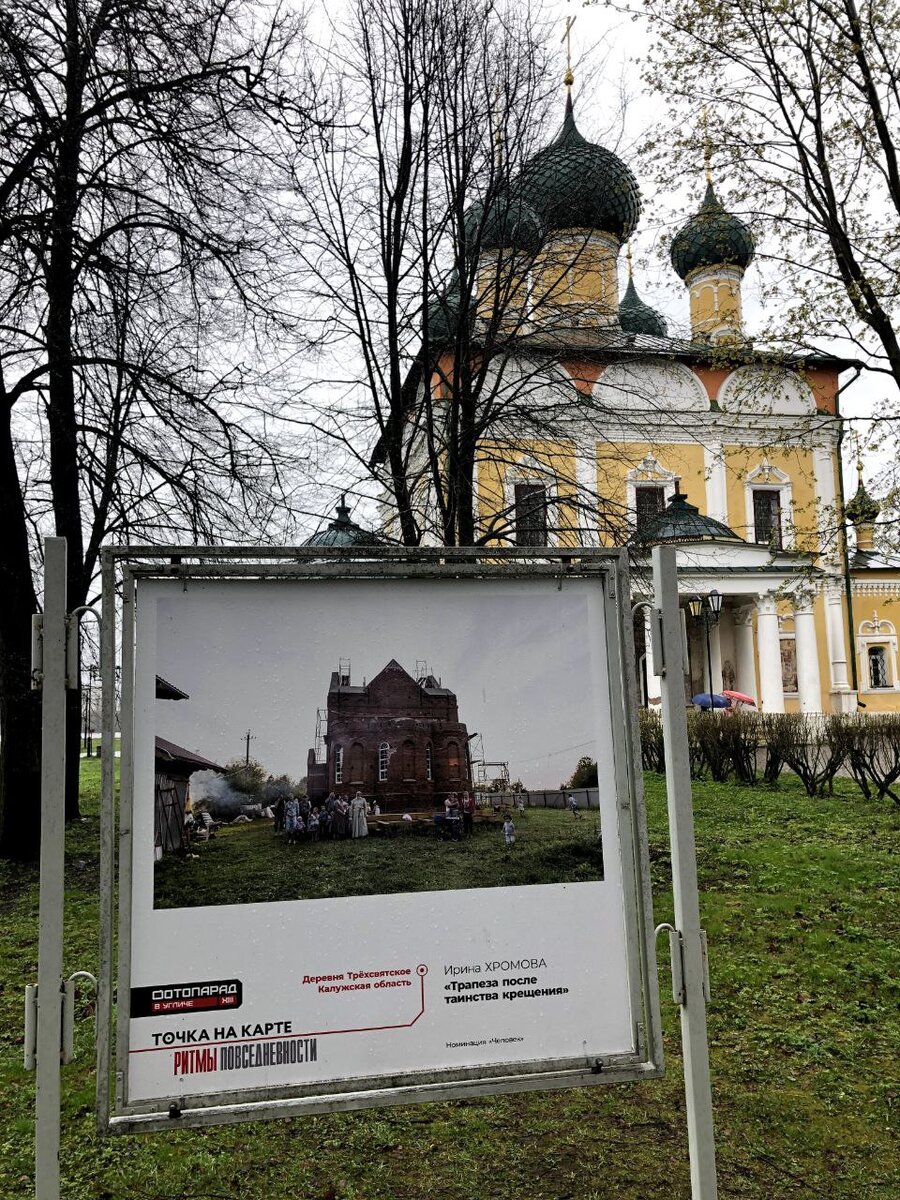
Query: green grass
[801, 900]
[250, 862]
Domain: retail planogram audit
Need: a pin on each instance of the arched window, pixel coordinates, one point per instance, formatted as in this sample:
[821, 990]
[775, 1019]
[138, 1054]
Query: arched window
[453, 760]
[769, 504]
[429, 762]
[339, 764]
[357, 761]
[383, 755]
[408, 760]
[877, 644]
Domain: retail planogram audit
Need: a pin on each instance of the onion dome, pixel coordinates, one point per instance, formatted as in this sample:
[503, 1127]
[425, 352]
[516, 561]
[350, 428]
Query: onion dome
[443, 317]
[344, 532]
[680, 521]
[637, 317]
[575, 184]
[712, 238]
[509, 223]
[862, 509]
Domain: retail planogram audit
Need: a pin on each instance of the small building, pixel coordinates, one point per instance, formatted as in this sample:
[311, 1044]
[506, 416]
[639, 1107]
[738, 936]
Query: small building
[396, 739]
[173, 768]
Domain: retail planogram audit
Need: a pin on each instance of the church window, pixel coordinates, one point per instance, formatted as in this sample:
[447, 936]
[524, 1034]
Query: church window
[649, 501]
[767, 517]
[357, 758]
[339, 764]
[429, 762]
[878, 668]
[530, 514]
[453, 760]
[383, 755]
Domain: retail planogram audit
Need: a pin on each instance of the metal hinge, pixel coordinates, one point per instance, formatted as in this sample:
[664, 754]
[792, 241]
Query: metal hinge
[676, 957]
[37, 650]
[66, 1019]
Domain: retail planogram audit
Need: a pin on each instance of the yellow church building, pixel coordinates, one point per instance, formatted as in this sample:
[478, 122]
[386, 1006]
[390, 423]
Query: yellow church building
[731, 453]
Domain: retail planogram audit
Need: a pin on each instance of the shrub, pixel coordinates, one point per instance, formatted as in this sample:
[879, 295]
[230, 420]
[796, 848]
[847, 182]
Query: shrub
[653, 752]
[741, 735]
[712, 743]
[695, 747]
[776, 733]
[871, 748]
[810, 751]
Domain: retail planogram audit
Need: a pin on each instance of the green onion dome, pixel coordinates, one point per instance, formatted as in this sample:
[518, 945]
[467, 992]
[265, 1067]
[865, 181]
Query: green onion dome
[637, 317]
[444, 311]
[344, 532]
[712, 238]
[509, 223]
[574, 184]
[862, 509]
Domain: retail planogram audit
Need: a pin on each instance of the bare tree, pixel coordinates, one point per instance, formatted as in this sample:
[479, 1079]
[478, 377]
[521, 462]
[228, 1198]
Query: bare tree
[802, 103]
[421, 246]
[142, 144]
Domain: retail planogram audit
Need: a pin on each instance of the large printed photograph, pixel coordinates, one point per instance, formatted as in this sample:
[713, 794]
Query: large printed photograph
[319, 739]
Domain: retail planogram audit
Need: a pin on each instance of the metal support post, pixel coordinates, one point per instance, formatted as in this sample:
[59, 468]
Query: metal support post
[53, 799]
[695, 1046]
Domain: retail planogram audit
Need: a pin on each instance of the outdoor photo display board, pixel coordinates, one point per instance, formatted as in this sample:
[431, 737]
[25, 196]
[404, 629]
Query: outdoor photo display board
[401, 902]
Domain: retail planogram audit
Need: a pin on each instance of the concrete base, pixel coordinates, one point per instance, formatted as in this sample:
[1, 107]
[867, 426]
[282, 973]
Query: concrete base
[843, 702]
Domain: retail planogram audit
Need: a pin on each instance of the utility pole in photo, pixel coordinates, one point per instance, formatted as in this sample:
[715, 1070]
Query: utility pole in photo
[248, 738]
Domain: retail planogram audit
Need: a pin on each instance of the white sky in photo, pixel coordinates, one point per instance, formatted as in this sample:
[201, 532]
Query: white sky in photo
[259, 656]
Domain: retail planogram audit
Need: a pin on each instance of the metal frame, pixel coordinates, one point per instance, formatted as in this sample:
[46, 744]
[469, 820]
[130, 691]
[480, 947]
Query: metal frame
[133, 564]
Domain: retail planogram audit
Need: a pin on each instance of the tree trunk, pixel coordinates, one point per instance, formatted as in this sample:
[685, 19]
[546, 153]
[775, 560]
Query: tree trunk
[20, 707]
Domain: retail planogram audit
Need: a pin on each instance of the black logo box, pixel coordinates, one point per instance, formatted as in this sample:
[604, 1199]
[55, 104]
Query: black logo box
[173, 999]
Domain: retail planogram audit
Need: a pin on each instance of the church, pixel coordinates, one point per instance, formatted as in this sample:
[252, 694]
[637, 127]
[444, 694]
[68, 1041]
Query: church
[397, 739]
[730, 452]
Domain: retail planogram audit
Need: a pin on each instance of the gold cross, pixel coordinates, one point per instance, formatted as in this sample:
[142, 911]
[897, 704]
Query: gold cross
[707, 144]
[568, 78]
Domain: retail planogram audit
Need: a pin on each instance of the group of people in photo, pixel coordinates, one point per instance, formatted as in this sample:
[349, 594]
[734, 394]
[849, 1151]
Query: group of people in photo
[337, 818]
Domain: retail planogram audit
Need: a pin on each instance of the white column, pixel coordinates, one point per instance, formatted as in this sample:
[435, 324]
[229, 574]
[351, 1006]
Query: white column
[586, 493]
[715, 647]
[654, 689]
[823, 460]
[745, 659]
[809, 687]
[771, 690]
[716, 480]
[843, 699]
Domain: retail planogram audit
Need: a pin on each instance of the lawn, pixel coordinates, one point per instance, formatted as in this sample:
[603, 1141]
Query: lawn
[251, 863]
[801, 900]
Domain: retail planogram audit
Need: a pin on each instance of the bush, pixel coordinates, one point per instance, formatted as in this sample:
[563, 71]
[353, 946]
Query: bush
[871, 749]
[584, 775]
[712, 742]
[653, 751]
[776, 734]
[696, 755]
[741, 736]
[811, 752]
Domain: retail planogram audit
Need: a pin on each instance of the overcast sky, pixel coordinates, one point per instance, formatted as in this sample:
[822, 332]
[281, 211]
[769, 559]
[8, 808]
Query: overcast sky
[259, 656]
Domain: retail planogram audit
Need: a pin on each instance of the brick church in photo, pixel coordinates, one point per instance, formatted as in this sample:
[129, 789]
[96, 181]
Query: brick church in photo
[396, 739]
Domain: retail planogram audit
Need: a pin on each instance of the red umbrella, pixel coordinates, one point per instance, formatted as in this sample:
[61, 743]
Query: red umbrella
[741, 696]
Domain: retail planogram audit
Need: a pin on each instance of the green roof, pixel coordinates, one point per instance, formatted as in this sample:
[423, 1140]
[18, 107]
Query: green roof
[344, 532]
[637, 317]
[574, 184]
[683, 522]
[862, 509]
[509, 223]
[711, 238]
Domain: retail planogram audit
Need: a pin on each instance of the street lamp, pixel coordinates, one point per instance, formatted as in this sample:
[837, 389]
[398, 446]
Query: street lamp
[708, 608]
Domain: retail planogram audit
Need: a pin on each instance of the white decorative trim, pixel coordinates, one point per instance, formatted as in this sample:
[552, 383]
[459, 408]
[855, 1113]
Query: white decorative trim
[765, 477]
[530, 470]
[716, 482]
[882, 588]
[877, 633]
[648, 471]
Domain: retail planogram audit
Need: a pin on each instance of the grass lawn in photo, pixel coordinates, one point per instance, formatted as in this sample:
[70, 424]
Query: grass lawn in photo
[252, 864]
[801, 901]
